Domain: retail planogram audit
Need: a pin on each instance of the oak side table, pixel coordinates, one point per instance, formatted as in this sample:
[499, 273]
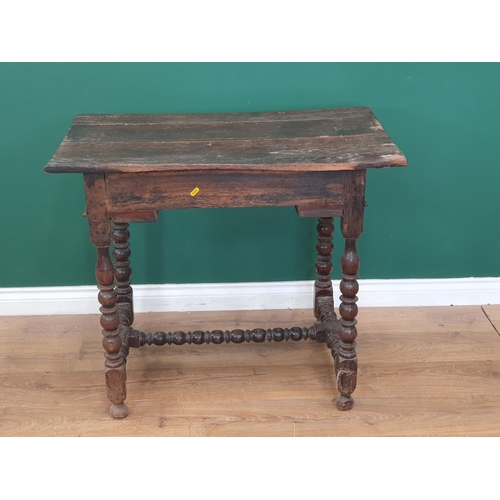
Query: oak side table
[135, 165]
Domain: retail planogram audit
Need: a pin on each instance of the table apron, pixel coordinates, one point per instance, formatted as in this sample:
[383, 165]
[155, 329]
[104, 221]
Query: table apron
[201, 189]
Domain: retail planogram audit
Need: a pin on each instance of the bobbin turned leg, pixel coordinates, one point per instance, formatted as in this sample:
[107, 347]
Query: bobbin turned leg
[115, 351]
[114, 365]
[323, 291]
[121, 254]
[346, 363]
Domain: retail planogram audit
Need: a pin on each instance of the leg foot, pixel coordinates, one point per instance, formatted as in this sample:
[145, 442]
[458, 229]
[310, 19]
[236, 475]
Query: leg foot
[346, 372]
[344, 402]
[118, 411]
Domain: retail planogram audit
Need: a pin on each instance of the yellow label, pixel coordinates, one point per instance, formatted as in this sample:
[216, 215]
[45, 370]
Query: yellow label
[195, 191]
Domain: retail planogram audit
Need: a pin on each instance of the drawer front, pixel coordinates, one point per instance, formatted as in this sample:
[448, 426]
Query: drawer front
[201, 189]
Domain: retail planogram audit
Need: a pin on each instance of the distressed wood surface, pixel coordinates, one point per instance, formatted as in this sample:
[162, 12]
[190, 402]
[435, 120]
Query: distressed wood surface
[172, 190]
[97, 209]
[425, 372]
[320, 210]
[328, 139]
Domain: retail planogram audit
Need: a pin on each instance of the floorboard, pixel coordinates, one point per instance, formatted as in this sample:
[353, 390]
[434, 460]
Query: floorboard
[432, 371]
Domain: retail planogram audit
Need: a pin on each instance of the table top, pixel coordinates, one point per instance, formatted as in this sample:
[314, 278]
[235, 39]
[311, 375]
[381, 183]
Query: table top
[300, 141]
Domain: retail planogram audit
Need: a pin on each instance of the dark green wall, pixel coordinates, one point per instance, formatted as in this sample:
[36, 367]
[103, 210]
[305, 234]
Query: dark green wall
[437, 218]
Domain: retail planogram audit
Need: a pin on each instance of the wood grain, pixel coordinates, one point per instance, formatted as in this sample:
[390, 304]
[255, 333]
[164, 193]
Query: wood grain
[179, 131]
[96, 212]
[338, 115]
[315, 140]
[162, 191]
[424, 372]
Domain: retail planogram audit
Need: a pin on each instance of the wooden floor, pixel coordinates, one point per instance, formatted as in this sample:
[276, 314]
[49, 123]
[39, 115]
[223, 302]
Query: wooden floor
[431, 371]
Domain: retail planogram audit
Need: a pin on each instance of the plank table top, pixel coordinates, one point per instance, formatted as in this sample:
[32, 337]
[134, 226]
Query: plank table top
[296, 141]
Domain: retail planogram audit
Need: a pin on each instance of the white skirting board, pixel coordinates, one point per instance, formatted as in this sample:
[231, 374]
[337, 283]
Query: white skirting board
[251, 296]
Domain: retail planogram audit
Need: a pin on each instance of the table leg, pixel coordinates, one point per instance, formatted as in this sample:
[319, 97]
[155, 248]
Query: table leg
[121, 254]
[115, 357]
[323, 291]
[346, 363]
[341, 335]
[114, 354]
[115, 350]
